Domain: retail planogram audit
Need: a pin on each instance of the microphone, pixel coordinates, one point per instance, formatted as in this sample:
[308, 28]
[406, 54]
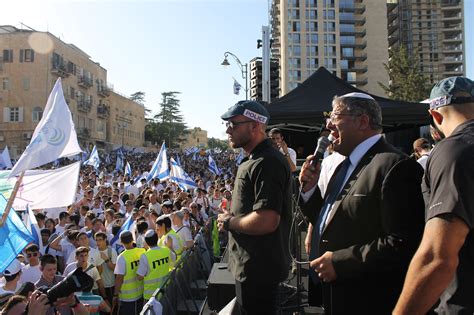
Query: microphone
[323, 143]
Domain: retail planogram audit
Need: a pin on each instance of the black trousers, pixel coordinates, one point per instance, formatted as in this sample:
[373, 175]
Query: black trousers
[130, 308]
[256, 298]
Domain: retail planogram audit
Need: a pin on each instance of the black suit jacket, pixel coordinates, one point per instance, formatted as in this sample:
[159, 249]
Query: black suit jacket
[376, 227]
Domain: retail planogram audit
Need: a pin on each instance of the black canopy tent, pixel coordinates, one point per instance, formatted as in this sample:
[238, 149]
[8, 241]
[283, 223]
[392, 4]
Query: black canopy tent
[306, 104]
[302, 109]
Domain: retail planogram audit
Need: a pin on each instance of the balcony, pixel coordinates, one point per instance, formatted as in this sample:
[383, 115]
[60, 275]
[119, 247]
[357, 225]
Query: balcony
[85, 82]
[358, 69]
[452, 49]
[452, 39]
[359, 57]
[362, 81]
[83, 132]
[59, 69]
[452, 60]
[103, 91]
[356, 44]
[103, 111]
[84, 106]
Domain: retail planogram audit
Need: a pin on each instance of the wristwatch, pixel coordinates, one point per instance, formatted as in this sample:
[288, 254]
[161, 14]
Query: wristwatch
[226, 223]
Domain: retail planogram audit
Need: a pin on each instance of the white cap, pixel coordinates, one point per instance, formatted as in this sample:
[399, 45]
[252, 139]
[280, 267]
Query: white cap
[359, 95]
[14, 268]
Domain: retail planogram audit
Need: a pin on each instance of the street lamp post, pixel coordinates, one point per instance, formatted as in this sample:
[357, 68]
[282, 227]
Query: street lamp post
[243, 69]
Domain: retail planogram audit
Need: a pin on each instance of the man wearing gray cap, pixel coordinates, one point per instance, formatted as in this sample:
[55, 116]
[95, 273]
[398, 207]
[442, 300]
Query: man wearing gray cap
[443, 266]
[259, 216]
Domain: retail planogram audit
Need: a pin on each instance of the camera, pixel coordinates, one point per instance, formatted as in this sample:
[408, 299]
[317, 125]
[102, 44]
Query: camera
[74, 282]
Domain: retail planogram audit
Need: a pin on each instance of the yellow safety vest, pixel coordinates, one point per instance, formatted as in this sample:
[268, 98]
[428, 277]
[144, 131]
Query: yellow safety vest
[158, 266]
[132, 288]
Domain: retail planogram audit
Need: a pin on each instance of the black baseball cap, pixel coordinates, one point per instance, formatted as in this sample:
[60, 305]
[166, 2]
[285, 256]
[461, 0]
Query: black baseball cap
[250, 109]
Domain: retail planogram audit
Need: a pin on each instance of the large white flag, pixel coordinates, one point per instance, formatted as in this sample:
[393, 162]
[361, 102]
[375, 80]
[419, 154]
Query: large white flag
[54, 137]
[5, 160]
[160, 167]
[42, 189]
[179, 176]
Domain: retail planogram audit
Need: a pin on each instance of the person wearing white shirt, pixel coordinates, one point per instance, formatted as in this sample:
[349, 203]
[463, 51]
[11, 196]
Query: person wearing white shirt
[278, 141]
[82, 261]
[93, 254]
[31, 272]
[370, 222]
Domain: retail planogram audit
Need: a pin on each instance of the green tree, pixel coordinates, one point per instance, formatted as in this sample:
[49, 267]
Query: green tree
[168, 125]
[406, 81]
[213, 143]
[139, 97]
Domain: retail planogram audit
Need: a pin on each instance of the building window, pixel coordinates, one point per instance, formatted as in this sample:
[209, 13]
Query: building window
[329, 26]
[329, 38]
[5, 84]
[348, 52]
[294, 14]
[14, 114]
[27, 55]
[329, 14]
[26, 84]
[312, 38]
[311, 3]
[311, 26]
[294, 26]
[295, 62]
[311, 15]
[312, 50]
[295, 50]
[294, 3]
[8, 55]
[37, 114]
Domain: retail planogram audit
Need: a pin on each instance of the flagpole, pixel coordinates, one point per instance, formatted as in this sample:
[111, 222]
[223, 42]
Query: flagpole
[9, 205]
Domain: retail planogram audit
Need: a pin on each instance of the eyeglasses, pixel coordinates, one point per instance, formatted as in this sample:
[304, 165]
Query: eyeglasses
[334, 117]
[233, 124]
[29, 255]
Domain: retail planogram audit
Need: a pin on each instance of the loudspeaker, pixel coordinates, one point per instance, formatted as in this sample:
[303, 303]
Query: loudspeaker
[220, 287]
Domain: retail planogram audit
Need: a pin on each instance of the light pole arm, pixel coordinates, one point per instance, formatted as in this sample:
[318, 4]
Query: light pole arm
[243, 69]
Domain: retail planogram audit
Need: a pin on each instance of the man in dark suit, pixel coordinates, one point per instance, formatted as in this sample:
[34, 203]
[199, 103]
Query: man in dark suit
[369, 223]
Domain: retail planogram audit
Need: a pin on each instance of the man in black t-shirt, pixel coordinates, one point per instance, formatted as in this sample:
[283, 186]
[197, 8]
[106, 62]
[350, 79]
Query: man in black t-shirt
[258, 221]
[443, 266]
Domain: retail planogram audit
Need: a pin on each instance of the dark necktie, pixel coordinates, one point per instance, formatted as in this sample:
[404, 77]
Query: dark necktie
[333, 190]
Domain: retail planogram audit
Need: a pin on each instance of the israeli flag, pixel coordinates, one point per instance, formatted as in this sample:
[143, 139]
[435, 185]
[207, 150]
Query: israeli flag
[212, 167]
[128, 169]
[160, 167]
[107, 159]
[119, 163]
[237, 87]
[179, 176]
[93, 159]
[126, 226]
[5, 160]
[14, 236]
[32, 226]
[239, 157]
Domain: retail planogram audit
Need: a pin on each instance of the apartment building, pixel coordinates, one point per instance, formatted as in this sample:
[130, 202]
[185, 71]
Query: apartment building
[30, 64]
[432, 29]
[348, 37]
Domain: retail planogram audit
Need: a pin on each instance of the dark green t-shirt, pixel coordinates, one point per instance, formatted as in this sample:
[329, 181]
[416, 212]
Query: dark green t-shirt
[263, 181]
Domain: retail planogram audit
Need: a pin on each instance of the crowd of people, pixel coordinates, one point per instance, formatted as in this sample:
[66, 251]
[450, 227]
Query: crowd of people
[387, 233]
[126, 233]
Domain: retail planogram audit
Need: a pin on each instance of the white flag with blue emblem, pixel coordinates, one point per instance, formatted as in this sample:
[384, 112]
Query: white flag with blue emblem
[128, 169]
[93, 159]
[179, 176]
[54, 136]
[160, 166]
[212, 167]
